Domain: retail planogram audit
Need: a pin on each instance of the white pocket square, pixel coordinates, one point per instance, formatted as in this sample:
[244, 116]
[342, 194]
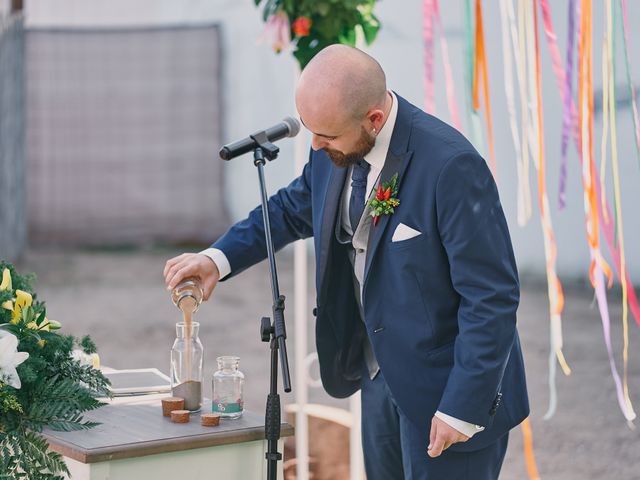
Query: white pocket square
[404, 232]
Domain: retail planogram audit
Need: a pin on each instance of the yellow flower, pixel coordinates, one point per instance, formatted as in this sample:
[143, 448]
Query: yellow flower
[23, 300]
[8, 305]
[33, 326]
[6, 280]
[52, 324]
[46, 325]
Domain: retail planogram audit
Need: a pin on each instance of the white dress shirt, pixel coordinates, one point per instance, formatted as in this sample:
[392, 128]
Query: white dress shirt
[376, 158]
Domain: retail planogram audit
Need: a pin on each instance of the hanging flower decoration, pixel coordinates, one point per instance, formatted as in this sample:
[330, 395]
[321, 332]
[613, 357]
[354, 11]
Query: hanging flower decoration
[278, 31]
[312, 25]
[302, 26]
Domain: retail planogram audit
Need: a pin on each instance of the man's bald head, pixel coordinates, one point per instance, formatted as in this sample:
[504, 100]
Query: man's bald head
[340, 82]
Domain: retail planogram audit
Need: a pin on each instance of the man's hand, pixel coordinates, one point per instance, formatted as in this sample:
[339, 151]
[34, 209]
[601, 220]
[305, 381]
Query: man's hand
[192, 265]
[442, 436]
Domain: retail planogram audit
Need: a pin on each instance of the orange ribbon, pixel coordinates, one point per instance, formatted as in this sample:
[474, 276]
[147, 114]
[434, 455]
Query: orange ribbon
[585, 115]
[529, 457]
[480, 67]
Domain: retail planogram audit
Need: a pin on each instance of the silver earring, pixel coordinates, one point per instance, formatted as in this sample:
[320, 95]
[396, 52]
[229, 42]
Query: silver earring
[373, 132]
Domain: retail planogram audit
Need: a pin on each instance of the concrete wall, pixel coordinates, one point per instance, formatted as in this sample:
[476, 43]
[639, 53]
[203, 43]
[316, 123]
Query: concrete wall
[13, 189]
[259, 91]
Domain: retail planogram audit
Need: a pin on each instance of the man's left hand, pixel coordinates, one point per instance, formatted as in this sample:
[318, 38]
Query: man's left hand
[442, 436]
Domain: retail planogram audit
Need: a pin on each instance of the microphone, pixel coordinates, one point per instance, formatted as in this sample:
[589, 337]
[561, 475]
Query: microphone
[289, 127]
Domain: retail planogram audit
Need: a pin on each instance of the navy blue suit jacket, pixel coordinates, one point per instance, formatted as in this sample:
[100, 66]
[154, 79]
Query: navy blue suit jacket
[440, 308]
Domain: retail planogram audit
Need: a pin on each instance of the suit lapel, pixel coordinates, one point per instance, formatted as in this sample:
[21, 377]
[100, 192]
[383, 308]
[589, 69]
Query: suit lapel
[333, 195]
[398, 158]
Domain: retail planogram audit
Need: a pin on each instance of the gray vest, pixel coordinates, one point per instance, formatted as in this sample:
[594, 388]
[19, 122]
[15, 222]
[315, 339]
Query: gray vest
[357, 250]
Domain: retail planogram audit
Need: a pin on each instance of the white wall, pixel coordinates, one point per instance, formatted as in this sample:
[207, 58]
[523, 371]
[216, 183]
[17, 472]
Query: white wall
[256, 82]
[5, 7]
[259, 86]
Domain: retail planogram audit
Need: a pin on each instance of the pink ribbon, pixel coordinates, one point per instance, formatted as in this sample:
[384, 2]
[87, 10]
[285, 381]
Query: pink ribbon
[431, 12]
[427, 33]
[450, 84]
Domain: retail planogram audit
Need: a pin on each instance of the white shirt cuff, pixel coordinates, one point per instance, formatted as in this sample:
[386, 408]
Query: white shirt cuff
[220, 259]
[466, 428]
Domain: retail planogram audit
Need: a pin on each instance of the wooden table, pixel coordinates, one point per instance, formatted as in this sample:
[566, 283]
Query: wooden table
[136, 442]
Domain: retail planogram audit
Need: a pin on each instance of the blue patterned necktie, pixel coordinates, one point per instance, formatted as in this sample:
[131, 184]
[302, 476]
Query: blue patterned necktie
[358, 188]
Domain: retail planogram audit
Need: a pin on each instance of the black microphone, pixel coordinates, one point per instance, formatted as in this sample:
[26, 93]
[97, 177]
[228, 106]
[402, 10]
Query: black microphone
[289, 127]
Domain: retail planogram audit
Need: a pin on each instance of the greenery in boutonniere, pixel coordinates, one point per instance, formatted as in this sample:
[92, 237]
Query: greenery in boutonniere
[385, 201]
[311, 25]
[41, 384]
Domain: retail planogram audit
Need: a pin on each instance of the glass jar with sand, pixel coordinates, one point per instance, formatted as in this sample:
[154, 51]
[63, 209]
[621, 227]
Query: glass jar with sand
[187, 358]
[187, 353]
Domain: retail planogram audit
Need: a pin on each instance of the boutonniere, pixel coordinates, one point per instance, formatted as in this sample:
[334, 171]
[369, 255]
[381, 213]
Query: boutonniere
[385, 200]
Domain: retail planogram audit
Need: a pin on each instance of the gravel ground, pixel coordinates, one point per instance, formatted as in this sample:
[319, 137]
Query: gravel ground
[120, 299]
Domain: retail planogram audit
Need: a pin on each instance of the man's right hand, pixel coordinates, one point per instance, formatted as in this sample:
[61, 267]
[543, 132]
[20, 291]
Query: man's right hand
[195, 265]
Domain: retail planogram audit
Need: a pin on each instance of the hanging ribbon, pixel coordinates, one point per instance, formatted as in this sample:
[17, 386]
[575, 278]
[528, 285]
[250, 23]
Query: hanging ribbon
[529, 457]
[472, 116]
[607, 67]
[603, 211]
[431, 12]
[632, 90]
[609, 113]
[527, 132]
[509, 29]
[427, 34]
[556, 296]
[449, 83]
[567, 94]
[480, 68]
[567, 91]
[585, 52]
[599, 268]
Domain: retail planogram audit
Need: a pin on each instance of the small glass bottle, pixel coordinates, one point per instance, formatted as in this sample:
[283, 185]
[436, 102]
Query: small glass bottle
[187, 295]
[187, 359]
[228, 384]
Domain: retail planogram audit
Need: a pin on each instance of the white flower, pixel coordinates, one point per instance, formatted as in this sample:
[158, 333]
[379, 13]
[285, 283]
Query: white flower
[10, 358]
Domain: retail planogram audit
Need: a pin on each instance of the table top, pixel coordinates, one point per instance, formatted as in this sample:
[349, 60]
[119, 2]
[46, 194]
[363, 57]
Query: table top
[139, 429]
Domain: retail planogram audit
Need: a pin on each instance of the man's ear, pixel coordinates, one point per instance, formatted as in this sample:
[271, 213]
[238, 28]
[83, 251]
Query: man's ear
[376, 118]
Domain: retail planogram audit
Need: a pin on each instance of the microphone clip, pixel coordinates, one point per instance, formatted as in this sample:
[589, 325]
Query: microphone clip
[265, 148]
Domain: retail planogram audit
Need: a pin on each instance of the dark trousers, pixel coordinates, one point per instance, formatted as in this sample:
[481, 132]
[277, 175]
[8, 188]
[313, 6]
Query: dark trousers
[394, 449]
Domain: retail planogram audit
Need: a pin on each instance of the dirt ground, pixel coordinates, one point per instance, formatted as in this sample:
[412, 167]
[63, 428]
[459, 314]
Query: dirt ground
[119, 298]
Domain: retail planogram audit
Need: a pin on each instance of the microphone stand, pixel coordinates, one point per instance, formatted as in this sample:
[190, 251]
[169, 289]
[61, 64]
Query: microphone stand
[275, 332]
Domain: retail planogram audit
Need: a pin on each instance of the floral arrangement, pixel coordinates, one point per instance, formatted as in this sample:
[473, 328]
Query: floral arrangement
[41, 382]
[308, 26]
[385, 201]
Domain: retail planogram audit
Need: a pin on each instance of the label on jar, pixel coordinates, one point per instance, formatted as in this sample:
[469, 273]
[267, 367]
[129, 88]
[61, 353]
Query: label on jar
[227, 407]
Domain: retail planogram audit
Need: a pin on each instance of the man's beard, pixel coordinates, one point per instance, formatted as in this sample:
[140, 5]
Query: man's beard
[363, 147]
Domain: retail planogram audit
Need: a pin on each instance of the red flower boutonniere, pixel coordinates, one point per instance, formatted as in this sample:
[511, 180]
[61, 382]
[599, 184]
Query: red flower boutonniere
[385, 201]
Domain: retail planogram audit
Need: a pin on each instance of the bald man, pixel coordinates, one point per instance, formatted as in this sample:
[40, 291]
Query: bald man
[416, 309]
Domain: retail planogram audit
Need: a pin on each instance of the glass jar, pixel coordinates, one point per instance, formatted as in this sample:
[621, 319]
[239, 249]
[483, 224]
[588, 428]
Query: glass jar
[228, 384]
[187, 295]
[187, 359]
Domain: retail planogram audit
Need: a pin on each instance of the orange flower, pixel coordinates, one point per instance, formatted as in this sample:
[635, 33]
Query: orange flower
[301, 26]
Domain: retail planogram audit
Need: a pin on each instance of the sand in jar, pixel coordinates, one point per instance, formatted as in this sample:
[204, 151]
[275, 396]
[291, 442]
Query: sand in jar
[187, 381]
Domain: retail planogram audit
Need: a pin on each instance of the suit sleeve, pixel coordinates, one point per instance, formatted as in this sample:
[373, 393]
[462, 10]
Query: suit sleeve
[290, 216]
[474, 233]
